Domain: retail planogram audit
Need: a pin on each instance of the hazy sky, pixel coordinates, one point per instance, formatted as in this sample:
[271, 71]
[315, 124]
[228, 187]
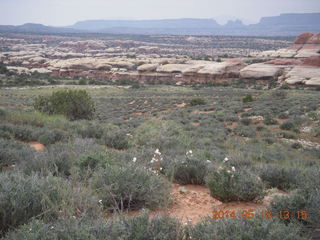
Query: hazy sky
[67, 12]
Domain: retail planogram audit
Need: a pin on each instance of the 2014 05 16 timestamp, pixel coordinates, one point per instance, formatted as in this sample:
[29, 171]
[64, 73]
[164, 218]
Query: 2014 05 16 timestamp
[252, 213]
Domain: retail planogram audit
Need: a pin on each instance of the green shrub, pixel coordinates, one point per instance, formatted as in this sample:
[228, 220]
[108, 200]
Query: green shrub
[139, 228]
[114, 137]
[257, 228]
[197, 101]
[284, 178]
[59, 158]
[13, 152]
[283, 115]
[287, 135]
[74, 104]
[247, 98]
[246, 121]
[227, 184]
[297, 201]
[245, 131]
[287, 126]
[279, 94]
[22, 198]
[270, 121]
[187, 171]
[316, 132]
[129, 187]
[160, 134]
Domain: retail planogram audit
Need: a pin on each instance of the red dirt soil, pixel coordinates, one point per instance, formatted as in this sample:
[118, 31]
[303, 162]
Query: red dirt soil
[196, 203]
[37, 146]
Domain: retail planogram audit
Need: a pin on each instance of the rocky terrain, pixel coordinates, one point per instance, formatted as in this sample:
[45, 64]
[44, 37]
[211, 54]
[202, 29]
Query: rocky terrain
[167, 59]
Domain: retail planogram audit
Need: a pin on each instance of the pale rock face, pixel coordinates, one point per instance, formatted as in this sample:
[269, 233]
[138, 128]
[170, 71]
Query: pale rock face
[40, 70]
[19, 70]
[260, 71]
[173, 68]
[148, 68]
[304, 74]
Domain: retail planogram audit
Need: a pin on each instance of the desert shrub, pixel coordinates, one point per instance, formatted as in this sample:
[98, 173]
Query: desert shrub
[279, 94]
[257, 228]
[314, 115]
[36, 119]
[188, 170]
[244, 131]
[88, 129]
[316, 132]
[13, 152]
[228, 184]
[22, 198]
[284, 178]
[287, 126]
[160, 134]
[283, 115]
[145, 189]
[74, 104]
[270, 121]
[287, 135]
[139, 227]
[247, 98]
[114, 137]
[260, 128]
[297, 201]
[87, 163]
[246, 121]
[296, 145]
[197, 101]
[47, 137]
[59, 158]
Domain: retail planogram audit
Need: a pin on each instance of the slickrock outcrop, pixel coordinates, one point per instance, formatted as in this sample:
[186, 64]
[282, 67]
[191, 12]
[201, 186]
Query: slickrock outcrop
[261, 71]
[304, 74]
[306, 45]
[147, 67]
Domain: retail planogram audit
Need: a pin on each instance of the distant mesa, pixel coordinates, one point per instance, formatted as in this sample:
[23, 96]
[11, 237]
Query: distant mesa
[284, 25]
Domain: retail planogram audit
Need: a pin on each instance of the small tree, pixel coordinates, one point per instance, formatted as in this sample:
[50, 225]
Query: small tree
[74, 104]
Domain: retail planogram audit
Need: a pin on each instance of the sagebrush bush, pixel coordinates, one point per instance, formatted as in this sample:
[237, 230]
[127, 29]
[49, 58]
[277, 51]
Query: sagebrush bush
[130, 187]
[297, 201]
[74, 104]
[246, 121]
[197, 101]
[257, 228]
[160, 134]
[13, 152]
[140, 227]
[228, 184]
[276, 176]
[245, 131]
[188, 170]
[270, 121]
[247, 98]
[22, 198]
[59, 158]
[287, 126]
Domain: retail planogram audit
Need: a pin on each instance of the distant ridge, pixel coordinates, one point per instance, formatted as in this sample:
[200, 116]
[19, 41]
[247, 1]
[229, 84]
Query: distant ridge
[290, 24]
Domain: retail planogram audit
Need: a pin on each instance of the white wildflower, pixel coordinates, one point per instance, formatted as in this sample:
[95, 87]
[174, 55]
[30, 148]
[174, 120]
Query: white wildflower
[52, 227]
[100, 201]
[134, 159]
[226, 159]
[30, 229]
[161, 169]
[233, 169]
[228, 171]
[208, 161]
